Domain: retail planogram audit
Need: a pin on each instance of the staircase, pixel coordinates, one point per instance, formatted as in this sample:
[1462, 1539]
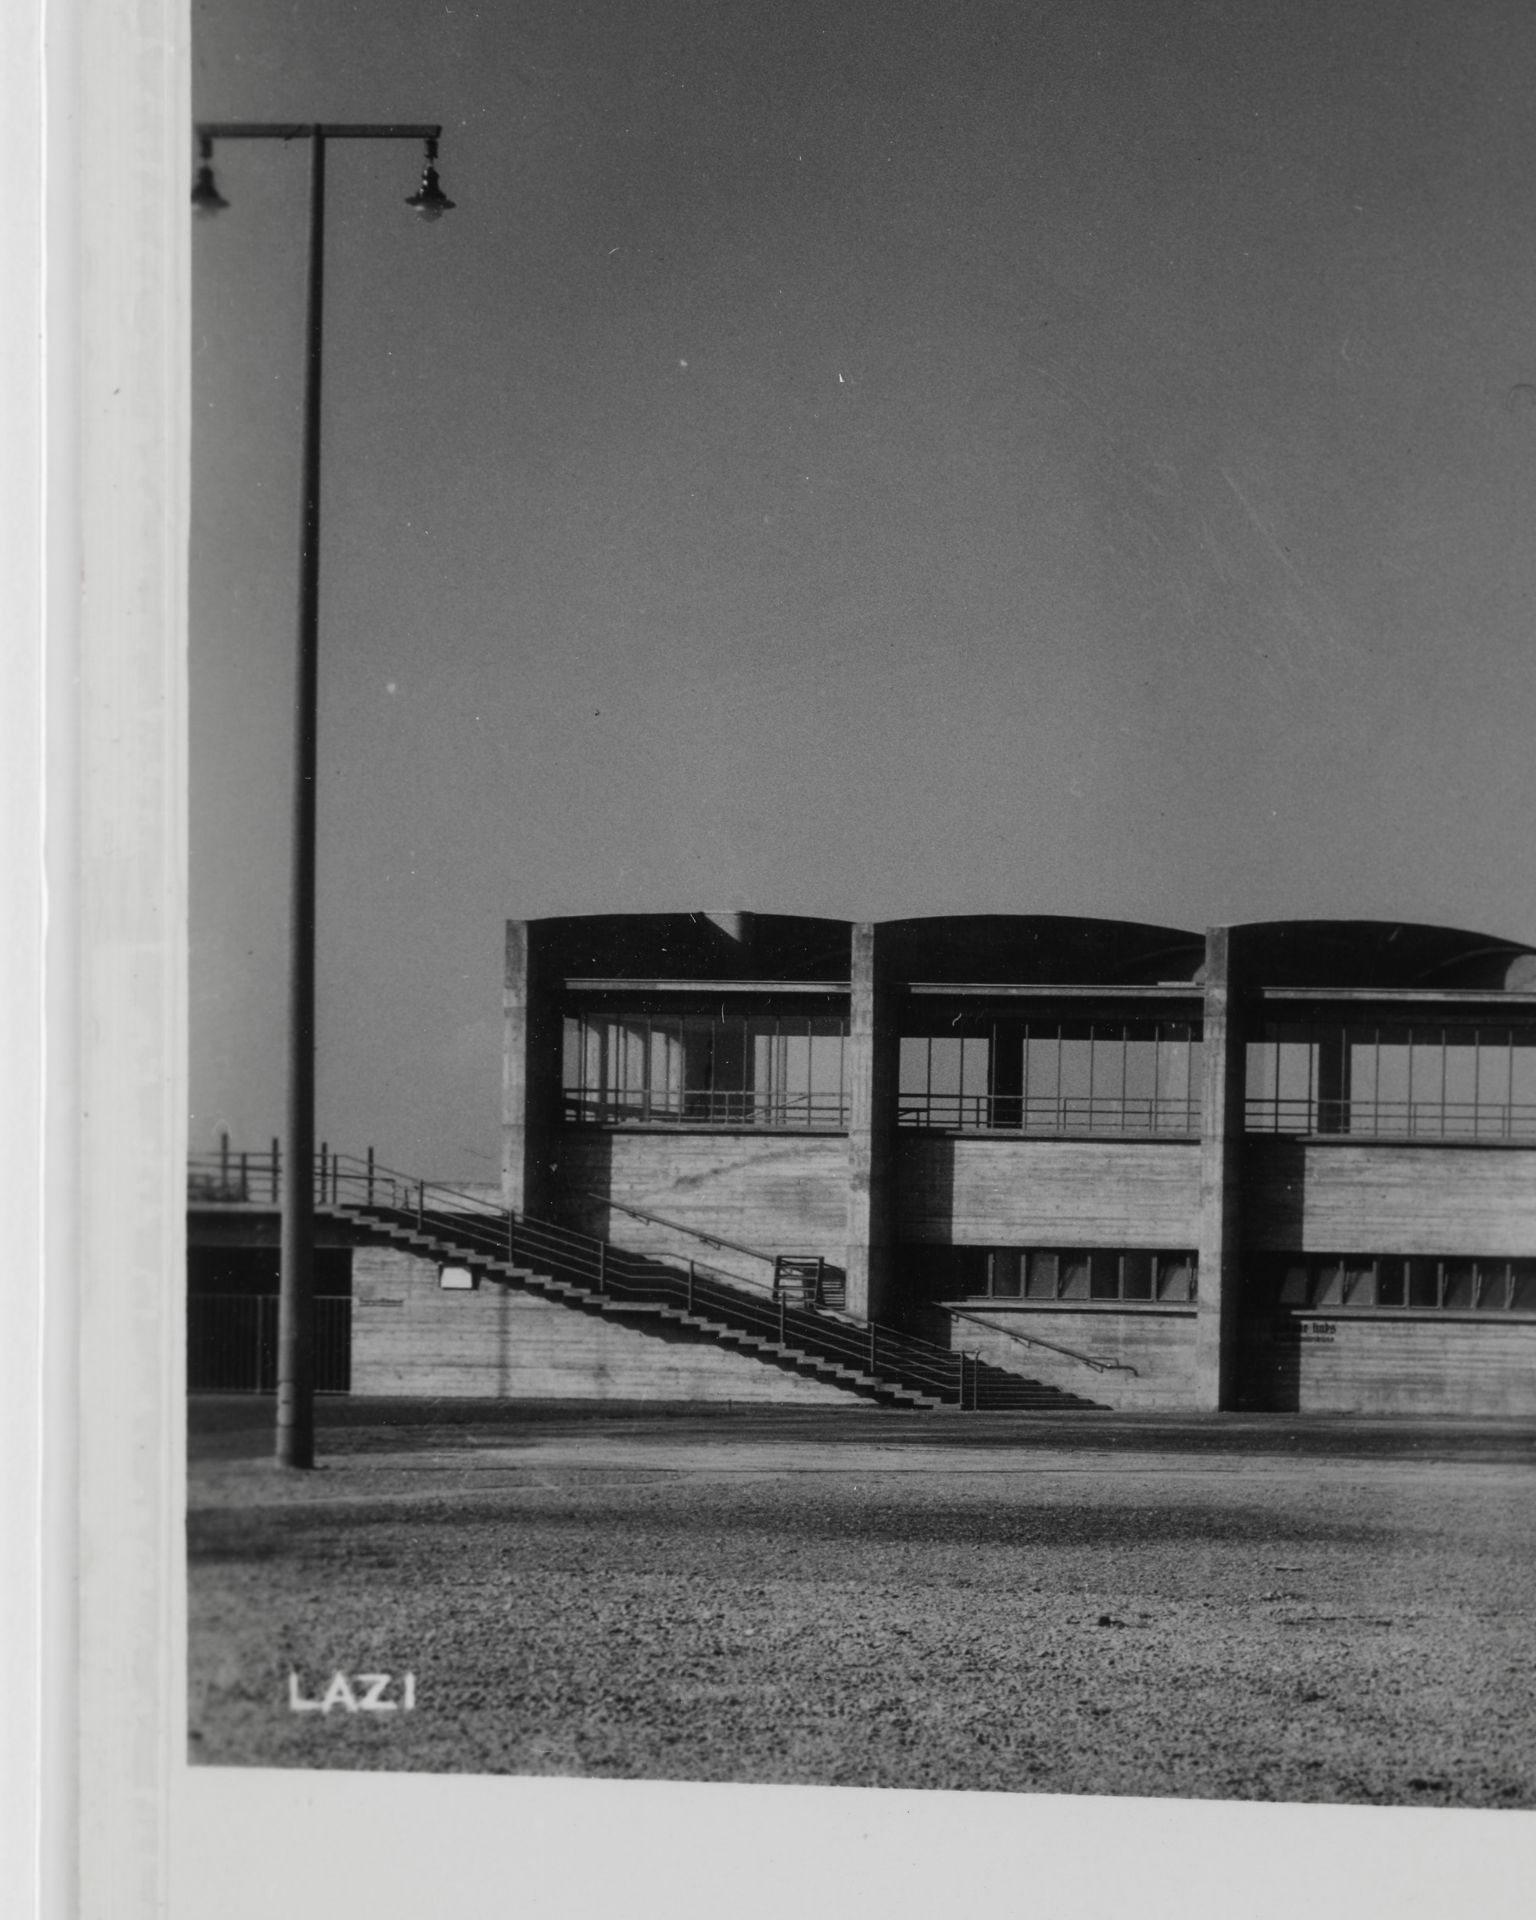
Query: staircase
[992, 1389]
[877, 1363]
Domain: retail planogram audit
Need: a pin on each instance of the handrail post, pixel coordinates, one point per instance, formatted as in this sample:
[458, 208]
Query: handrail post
[602, 1266]
[691, 1274]
[322, 1172]
[873, 1331]
[370, 1176]
[276, 1170]
[511, 1244]
[421, 1204]
[783, 1327]
[245, 1175]
[224, 1160]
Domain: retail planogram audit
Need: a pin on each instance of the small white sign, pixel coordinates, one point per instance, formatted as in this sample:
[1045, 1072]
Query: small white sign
[455, 1277]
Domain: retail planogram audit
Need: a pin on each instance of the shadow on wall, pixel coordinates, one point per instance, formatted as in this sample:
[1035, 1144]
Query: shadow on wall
[1269, 1365]
[1274, 1188]
[925, 1189]
[681, 1227]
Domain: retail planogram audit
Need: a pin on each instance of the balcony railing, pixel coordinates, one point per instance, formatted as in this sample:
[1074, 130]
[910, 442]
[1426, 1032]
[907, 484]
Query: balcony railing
[705, 1108]
[1047, 1114]
[1431, 1119]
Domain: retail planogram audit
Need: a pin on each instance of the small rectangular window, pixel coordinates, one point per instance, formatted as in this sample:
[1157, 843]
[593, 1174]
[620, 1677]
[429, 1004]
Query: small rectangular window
[1294, 1283]
[970, 1271]
[1423, 1283]
[1176, 1277]
[1459, 1277]
[1492, 1285]
[1522, 1286]
[1329, 1288]
[1359, 1282]
[1136, 1272]
[1042, 1275]
[1389, 1283]
[1004, 1263]
[1074, 1276]
[1104, 1276]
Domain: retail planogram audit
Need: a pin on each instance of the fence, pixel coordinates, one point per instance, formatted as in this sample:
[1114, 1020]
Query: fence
[232, 1343]
[1049, 1114]
[1429, 1119]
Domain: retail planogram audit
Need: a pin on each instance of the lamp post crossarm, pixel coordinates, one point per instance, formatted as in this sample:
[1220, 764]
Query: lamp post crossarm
[307, 129]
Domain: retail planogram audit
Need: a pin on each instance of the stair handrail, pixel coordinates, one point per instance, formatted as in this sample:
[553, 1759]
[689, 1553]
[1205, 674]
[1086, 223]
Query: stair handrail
[345, 1171]
[912, 1363]
[1034, 1340]
[676, 1226]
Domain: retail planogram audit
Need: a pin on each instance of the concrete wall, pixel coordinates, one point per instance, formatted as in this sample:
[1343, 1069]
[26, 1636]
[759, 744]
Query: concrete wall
[1158, 1342]
[1386, 1363]
[1389, 1199]
[409, 1336]
[1091, 1193]
[780, 1193]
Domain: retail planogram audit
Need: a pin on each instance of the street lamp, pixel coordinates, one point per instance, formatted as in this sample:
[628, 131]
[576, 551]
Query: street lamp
[295, 1322]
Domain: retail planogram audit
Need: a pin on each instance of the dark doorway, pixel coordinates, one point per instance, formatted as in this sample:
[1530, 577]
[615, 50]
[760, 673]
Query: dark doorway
[232, 1319]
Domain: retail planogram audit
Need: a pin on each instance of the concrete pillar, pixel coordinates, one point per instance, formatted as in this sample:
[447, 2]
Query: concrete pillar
[1224, 1070]
[524, 1074]
[871, 1062]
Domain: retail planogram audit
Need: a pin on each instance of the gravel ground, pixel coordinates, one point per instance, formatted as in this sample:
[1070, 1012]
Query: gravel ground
[1257, 1609]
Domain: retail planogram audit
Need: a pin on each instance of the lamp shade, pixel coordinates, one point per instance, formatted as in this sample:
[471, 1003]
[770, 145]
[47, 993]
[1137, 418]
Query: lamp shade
[429, 200]
[206, 197]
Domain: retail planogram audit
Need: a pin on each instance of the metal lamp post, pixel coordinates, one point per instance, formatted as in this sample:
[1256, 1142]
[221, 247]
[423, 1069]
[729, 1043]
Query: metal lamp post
[295, 1338]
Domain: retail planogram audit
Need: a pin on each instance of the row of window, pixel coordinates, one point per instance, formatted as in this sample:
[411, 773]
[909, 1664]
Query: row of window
[742, 1070]
[1456, 1285]
[1054, 1273]
[1055, 1076]
[1393, 1280]
[1043, 1077]
[1436, 1082]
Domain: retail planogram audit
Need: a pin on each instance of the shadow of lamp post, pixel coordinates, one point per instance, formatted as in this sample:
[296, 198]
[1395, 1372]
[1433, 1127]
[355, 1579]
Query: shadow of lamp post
[295, 1358]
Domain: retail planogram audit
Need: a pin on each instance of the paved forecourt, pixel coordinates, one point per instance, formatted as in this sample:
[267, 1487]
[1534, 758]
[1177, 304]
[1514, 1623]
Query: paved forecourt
[1263, 1607]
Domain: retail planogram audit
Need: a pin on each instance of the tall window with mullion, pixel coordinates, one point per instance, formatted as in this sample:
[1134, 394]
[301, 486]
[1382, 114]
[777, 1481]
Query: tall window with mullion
[746, 1070]
[1389, 1080]
[1053, 1077]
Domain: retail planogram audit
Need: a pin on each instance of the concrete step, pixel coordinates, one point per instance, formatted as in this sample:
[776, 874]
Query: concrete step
[585, 1299]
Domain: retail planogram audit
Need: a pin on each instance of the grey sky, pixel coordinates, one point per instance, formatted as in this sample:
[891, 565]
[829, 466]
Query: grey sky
[855, 459]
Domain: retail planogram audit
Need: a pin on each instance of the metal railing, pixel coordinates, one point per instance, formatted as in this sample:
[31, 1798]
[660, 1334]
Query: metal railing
[1431, 1119]
[232, 1343]
[475, 1230]
[679, 1226]
[1033, 1340]
[830, 1283]
[705, 1108]
[225, 1177]
[478, 1231]
[228, 1178]
[1048, 1114]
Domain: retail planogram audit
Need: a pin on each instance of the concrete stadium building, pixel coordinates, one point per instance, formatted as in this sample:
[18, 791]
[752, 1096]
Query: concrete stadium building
[982, 1161]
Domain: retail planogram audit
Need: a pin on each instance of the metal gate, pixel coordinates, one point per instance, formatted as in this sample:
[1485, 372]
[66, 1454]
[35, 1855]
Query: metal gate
[232, 1343]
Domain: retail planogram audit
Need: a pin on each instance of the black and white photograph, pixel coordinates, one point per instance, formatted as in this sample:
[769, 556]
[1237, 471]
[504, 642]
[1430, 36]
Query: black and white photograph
[859, 1051]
